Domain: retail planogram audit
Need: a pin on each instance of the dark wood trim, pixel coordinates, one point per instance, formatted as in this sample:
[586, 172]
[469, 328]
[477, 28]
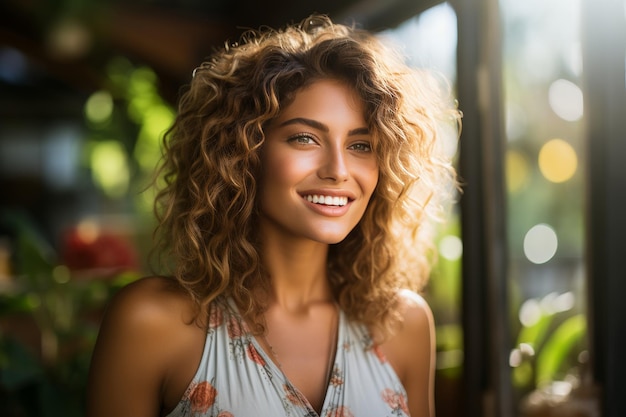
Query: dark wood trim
[604, 55]
[487, 382]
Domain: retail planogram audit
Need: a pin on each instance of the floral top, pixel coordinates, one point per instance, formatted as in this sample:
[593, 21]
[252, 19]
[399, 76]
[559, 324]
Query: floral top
[236, 378]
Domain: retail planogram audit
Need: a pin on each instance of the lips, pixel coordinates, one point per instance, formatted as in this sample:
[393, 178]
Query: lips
[327, 200]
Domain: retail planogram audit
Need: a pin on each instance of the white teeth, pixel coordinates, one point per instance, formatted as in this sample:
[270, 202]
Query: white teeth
[327, 200]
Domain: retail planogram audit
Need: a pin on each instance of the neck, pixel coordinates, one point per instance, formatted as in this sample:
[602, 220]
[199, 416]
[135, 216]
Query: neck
[297, 273]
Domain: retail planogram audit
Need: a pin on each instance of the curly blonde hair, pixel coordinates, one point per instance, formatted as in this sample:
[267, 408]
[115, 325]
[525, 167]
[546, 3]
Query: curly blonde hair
[207, 206]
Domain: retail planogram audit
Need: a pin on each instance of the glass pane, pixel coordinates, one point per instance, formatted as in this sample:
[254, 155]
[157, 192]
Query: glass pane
[545, 196]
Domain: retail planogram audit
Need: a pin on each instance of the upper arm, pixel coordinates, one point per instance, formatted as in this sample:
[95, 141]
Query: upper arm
[414, 351]
[130, 358]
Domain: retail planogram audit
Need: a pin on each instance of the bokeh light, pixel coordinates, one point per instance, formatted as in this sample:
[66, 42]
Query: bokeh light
[69, 38]
[99, 107]
[557, 303]
[13, 65]
[109, 165]
[530, 312]
[517, 170]
[566, 100]
[88, 231]
[557, 160]
[61, 274]
[142, 93]
[451, 247]
[540, 244]
[156, 119]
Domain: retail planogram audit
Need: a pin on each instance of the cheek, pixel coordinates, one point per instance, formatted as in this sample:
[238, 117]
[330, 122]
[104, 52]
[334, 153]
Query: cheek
[369, 178]
[283, 171]
[279, 171]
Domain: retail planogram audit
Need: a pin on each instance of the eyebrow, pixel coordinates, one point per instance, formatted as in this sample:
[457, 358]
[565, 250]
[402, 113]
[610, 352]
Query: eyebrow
[321, 126]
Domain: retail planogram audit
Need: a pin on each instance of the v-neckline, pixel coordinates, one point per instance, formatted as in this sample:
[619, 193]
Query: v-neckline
[276, 370]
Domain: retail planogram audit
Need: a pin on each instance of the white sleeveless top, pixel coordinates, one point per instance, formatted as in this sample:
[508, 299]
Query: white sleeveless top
[236, 378]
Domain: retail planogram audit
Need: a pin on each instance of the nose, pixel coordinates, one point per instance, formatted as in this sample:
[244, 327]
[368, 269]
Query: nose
[334, 165]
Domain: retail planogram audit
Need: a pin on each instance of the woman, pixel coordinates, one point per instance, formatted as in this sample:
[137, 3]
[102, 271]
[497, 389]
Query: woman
[301, 174]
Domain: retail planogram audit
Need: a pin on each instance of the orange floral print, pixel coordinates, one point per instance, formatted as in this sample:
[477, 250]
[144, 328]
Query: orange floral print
[216, 318]
[335, 378]
[379, 353]
[340, 411]
[202, 396]
[395, 400]
[293, 395]
[236, 329]
[225, 414]
[255, 355]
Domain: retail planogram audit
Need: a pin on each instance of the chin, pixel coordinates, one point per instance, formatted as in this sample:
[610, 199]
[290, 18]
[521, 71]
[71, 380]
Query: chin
[334, 241]
[332, 238]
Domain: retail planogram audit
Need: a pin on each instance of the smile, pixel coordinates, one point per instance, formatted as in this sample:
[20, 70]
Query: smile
[327, 200]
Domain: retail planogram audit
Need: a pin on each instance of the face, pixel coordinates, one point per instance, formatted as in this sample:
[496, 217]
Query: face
[319, 167]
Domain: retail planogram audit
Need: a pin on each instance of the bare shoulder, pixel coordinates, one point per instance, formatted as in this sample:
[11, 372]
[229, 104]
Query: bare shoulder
[417, 316]
[411, 352]
[415, 331]
[151, 301]
[151, 307]
[146, 330]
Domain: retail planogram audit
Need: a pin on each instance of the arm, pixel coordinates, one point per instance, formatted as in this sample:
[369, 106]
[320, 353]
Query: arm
[412, 353]
[131, 356]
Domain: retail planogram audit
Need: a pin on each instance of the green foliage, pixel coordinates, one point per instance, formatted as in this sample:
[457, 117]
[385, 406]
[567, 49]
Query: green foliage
[535, 333]
[444, 294]
[558, 347]
[546, 348]
[449, 350]
[47, 379]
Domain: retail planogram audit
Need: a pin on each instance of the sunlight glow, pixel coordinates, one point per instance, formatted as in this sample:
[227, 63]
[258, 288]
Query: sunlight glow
[451, 247]
[429, 39]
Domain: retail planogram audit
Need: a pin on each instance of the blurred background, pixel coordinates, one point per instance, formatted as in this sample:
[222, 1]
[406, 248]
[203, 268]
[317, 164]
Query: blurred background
[527, 292]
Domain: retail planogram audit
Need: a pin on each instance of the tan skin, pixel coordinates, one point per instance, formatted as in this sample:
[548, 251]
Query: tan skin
[149, 346]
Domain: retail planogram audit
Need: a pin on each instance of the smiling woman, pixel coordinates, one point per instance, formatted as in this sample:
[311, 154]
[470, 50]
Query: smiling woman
[319, 170]
[300, 176]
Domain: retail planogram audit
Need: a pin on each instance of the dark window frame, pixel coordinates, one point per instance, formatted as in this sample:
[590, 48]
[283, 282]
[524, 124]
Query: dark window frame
[604, 63]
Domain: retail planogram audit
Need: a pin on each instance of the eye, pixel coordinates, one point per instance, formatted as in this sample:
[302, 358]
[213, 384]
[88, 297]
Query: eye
[301, 139]
[361, 147]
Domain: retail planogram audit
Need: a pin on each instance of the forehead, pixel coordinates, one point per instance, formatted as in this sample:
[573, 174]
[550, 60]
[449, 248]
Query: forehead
[326, 99]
